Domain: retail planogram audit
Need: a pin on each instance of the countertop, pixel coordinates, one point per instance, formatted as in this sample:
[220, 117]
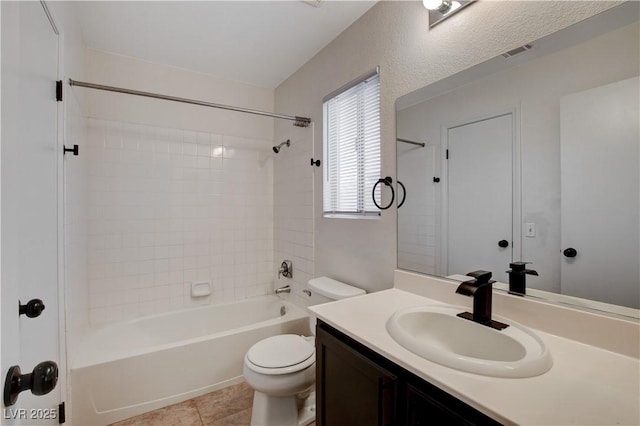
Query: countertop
[587, 385]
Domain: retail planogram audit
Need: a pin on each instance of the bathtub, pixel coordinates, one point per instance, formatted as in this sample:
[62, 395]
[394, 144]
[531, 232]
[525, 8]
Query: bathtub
[125, 369]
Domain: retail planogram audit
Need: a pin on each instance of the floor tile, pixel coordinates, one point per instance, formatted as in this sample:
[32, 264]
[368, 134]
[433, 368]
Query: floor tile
[183, 414]
[242, 418]
[230, 406]
[224, 403]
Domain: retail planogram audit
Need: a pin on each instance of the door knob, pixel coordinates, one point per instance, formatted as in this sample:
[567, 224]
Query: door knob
[40, 381]
[570, 252]
[503, 243]
[32, 309]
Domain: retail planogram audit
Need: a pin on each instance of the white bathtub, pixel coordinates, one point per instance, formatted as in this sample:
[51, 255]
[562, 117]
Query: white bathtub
[129, 368]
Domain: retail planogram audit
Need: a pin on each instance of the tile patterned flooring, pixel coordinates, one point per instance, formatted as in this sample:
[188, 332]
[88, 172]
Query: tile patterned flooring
[226, 407]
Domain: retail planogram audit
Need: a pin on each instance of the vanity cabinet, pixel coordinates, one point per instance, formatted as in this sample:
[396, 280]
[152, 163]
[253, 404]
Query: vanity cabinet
[357, 386]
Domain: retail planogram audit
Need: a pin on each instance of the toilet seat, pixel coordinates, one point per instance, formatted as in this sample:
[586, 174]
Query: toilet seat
[268, 357]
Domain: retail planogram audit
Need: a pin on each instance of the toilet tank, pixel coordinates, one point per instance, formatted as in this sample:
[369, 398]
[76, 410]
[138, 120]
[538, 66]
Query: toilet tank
[325, 289]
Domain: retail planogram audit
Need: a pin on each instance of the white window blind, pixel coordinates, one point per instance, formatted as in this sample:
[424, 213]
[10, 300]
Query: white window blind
[352, 148]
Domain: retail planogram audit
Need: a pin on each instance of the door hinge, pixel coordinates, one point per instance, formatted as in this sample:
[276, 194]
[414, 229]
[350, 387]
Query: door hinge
[59, 90]
[447, 154]
[62, 415]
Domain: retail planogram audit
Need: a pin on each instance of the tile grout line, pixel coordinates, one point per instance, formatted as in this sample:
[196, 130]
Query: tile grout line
[199, 413]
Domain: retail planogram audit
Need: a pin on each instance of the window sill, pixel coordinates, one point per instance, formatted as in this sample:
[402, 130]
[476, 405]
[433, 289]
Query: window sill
[369, 216]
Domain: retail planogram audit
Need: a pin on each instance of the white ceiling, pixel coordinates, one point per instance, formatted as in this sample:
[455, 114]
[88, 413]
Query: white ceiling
[254, 42]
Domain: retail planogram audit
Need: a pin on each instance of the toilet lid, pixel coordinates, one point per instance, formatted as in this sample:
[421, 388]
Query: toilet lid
[280, 351]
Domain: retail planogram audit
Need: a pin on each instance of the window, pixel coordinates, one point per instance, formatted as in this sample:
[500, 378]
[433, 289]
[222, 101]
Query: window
[352, 148]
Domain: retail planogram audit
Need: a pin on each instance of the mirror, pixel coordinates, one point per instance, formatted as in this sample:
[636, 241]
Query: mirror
[531, 156]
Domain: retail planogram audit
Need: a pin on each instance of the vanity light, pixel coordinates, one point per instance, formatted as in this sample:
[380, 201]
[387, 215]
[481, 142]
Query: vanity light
[439, 10]
[441, 6]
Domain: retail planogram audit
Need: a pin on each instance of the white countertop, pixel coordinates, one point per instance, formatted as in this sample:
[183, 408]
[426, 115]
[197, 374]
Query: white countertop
[587, 385]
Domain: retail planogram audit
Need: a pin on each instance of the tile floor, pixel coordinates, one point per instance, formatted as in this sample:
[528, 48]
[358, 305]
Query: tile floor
[226, 407]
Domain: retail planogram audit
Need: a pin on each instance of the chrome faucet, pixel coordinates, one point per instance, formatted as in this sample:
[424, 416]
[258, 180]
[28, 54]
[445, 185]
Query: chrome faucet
[517, 274]
[285, 289]
[481, 289]
[286, 269]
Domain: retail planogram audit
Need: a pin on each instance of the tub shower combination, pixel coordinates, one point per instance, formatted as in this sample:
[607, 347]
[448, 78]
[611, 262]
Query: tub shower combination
[126, 369]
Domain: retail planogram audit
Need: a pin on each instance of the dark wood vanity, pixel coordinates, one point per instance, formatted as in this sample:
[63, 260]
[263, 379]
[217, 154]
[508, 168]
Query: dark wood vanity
[357, 386]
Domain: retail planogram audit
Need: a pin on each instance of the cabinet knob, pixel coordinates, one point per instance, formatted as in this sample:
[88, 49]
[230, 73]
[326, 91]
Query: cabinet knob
[503, 243]
[570, 252]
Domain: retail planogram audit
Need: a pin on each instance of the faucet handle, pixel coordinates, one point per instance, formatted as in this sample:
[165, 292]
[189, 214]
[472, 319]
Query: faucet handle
[481, 277]
[519, 267]
[286, 269]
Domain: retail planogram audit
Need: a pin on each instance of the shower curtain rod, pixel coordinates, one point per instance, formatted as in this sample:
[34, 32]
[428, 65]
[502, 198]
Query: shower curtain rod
[422, 144]
[297, 121]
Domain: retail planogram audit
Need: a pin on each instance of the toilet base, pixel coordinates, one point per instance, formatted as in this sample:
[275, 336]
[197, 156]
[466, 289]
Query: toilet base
[296, 410]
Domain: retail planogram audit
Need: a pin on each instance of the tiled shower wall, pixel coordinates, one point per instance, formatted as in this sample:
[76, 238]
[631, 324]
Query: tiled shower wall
[168, 207]
[293, 195]
[419, 219]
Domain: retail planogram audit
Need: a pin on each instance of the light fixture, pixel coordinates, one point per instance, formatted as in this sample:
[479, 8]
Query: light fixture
[439, 10]
[441, 6]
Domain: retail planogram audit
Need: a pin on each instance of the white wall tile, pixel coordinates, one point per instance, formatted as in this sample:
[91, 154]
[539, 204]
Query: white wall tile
[158, 220]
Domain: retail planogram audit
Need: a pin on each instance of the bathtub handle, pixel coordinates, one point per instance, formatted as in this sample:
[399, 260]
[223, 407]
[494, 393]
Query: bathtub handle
[286, 269]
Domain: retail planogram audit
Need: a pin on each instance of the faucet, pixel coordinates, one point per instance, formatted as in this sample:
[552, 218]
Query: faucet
[285, 289]
[286, 269]
[481, 289]
[517, 284]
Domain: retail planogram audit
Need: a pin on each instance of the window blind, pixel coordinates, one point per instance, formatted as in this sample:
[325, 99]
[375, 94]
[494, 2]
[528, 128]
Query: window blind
[352, 148]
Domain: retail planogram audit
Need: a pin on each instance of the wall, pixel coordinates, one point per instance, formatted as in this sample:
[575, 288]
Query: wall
[168, 207]
[419, 223]
[177, 193]
[396, 36]
[293, 207]
[534, 89]
[75, 174]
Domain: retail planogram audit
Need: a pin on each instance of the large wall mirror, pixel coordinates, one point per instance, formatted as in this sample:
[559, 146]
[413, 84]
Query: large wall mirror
[531, 156]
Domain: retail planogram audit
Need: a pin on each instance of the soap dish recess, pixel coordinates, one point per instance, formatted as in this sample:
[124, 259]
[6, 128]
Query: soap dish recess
[200, 288]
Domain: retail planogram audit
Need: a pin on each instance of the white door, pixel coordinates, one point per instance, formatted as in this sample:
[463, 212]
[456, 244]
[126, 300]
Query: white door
[479, 208]
[599, 131]
[29, 202]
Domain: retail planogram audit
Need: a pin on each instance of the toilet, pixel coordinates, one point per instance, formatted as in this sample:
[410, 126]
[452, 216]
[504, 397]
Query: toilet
[282, 369]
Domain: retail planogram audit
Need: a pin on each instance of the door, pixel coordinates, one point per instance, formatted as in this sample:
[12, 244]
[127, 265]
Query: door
[29, 202]
[599, 131]
[479, 201]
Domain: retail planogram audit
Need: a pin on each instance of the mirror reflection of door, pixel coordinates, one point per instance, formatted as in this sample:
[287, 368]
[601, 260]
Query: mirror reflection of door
[600, 193]
[479, 194]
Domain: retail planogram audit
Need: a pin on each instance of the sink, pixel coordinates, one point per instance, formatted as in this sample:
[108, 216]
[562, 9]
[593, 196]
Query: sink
[435, 333]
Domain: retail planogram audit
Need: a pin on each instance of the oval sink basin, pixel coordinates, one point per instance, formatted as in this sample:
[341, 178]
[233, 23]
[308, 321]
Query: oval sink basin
[437, 334]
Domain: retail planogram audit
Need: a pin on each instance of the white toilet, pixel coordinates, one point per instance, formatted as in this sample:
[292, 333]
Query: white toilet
[282, 369]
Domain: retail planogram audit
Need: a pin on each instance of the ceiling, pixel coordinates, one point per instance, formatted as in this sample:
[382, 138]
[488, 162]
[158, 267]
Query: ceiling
[255, 42]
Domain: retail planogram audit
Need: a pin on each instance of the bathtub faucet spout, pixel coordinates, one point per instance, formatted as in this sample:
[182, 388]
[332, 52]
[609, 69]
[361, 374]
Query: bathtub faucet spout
[285, 289]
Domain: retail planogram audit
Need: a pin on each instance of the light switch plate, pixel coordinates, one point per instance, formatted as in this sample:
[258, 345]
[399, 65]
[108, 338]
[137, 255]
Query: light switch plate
[530, 229]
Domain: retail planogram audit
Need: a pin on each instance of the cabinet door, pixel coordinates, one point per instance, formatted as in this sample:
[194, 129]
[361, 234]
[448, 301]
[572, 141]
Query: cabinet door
[424, 410]
[351, 389]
